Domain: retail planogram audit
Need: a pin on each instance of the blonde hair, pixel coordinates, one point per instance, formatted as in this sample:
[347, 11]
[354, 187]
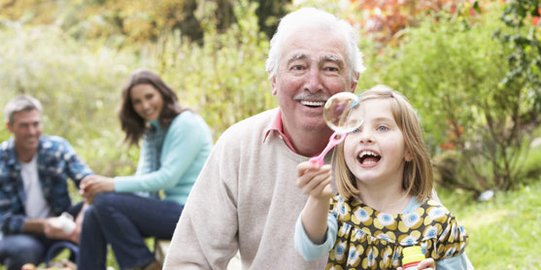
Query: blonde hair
[418, 177]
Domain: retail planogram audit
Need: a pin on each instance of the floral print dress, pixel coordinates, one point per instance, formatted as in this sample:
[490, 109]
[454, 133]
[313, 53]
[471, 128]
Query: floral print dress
[369, 239]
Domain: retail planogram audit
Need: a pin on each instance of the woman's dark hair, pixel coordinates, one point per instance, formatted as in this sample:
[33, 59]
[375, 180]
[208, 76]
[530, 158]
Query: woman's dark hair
[134, 125]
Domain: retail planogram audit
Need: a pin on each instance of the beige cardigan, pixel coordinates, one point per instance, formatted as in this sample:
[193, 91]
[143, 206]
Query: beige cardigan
[244, 199]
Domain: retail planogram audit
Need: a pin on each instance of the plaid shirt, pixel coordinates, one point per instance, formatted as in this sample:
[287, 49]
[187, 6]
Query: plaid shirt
[56, 161]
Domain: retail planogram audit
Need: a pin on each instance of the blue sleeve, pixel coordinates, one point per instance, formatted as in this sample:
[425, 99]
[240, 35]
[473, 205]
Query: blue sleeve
[185, 138]
[310, 251]
[10, 221]
[76, 169]
[459, 262]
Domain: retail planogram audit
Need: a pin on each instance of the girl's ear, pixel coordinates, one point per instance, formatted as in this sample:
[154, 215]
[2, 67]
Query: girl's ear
[408, 156]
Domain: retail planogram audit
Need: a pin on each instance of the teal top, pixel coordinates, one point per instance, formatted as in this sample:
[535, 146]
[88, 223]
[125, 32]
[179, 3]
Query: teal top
[183, 150]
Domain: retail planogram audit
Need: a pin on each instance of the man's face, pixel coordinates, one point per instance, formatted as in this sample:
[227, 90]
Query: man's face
[26, 129]
[312, 68]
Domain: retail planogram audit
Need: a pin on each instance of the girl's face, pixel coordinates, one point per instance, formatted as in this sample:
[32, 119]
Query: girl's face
[147, 101]
[375, 153]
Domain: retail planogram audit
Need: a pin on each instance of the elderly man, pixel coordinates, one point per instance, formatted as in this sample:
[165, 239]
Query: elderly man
[246, 198]
[33, 186]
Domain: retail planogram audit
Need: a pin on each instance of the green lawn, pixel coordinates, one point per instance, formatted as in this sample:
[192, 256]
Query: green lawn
[504, 233]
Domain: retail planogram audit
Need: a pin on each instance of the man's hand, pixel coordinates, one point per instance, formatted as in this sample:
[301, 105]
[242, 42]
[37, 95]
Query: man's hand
[54, 230]
[94, 184]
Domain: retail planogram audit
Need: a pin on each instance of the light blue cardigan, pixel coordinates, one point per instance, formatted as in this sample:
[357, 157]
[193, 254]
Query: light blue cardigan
[187, 144]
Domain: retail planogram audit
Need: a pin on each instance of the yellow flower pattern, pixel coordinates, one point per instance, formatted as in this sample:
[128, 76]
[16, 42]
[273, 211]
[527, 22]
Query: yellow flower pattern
[369, 239]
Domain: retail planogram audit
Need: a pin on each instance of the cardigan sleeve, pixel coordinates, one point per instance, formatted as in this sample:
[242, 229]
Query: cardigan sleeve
[306, 248]
[185, 138]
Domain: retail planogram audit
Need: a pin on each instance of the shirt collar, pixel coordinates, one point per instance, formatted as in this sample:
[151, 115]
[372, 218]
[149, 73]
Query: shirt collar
[9, 147]
[276, 127]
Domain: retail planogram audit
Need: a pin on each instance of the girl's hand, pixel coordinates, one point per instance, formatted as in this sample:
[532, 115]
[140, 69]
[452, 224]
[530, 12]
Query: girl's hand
[426, 264]
[315, 180]
[94, 184]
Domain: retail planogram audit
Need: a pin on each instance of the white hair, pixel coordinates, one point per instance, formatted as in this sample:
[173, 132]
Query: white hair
[314, 17]
[19, 104]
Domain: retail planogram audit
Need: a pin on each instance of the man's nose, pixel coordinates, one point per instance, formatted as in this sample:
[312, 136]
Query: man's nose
[32, 129]
[313, 80]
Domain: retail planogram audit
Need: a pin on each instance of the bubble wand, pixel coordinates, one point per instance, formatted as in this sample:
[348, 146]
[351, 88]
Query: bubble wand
[343, 115]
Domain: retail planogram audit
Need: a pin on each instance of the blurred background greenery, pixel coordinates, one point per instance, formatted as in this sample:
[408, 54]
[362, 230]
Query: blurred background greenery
[471, 68]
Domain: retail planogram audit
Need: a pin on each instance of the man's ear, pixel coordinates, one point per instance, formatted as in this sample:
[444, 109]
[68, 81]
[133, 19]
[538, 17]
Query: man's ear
[354, 81]
[9, 127]
[273, 84]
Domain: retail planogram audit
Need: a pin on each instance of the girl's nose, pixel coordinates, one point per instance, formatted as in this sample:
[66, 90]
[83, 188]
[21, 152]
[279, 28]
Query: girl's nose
[366, 137]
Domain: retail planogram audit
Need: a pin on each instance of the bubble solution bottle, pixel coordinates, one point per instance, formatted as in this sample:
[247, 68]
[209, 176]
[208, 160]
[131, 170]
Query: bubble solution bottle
[412, 256]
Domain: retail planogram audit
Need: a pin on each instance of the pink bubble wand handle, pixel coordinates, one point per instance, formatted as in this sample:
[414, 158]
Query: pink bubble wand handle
[334, 140]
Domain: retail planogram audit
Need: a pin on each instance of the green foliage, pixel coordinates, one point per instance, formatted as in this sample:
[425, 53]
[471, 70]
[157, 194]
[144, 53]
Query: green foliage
[225, 78]
[124, 22]
[523, 39]
[502, 232]
[79, 89]
[451, 73]
[384, 21]
[531, 165]
[79, 83]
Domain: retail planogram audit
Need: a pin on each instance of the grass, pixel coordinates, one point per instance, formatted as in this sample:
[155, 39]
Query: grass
[504, 232]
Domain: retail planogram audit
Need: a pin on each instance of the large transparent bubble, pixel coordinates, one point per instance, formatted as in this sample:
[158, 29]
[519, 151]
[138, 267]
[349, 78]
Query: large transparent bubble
[342, 112]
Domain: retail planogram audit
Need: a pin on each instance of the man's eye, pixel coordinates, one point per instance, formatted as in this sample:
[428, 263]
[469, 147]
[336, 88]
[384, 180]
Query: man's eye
[297, 67]
[332, 69]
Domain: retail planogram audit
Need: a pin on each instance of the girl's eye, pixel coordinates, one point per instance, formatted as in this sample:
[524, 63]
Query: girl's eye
[357, 130]
[382, 128]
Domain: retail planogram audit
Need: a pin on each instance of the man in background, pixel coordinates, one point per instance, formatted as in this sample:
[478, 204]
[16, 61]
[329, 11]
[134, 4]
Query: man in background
[33, 186]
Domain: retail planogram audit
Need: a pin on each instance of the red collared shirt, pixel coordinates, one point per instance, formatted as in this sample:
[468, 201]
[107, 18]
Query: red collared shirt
[277, 126]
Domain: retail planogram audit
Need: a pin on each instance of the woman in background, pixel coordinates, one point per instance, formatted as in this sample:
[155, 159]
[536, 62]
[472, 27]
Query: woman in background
[176, 143]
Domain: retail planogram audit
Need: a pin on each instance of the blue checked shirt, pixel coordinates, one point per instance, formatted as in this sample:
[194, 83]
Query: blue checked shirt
[56, 161]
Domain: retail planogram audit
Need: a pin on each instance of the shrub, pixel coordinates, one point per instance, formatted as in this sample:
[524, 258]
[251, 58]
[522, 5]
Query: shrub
[451, 71]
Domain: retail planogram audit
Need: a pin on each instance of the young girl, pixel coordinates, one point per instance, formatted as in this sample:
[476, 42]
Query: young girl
[384, 180]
